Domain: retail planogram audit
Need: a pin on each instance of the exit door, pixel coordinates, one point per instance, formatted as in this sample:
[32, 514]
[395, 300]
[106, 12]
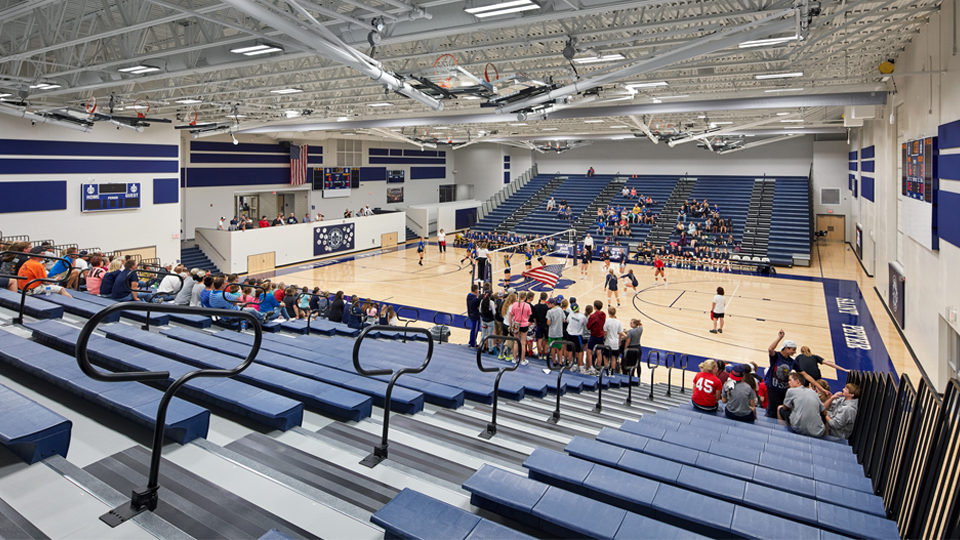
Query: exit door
[833, 224]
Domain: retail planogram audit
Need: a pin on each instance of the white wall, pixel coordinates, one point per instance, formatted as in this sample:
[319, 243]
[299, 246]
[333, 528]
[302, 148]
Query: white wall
[830, 161]
[290, 243]
[204, 205]
[109, 230]
[438, 216]
[921, 105]
[481, 166]
[640, 156]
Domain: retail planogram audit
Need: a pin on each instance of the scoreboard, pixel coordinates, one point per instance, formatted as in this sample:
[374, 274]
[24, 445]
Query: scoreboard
[336, 181]
[916, 179]
[116, 196]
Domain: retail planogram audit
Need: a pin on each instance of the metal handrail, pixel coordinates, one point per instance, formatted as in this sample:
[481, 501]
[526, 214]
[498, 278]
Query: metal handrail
[491, 428]
[559, 368]
[23, 290]
[380, 451]
[148, 497]
[652, 367]
[310, 311]
[637, 355]
[599, 405]
[683, 359]
[407, 322]
[669, 360]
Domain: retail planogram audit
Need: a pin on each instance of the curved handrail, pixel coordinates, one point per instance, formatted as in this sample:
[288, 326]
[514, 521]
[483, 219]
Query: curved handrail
[23, 290]
[380, 451]
[310, 311]
[491, 428]
[147, 498]
[631, 360]
[407, 322]
[559, 368]
[670, 360]
[652, 367]
[157, 273]
[683, 360]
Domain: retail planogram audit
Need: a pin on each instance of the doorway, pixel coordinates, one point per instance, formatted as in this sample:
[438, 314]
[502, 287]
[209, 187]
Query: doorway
[286, 204]
[834, 225]
[247, 204]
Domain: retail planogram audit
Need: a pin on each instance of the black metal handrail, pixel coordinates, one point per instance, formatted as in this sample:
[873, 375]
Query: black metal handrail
[26, 286]
[15, 238]
[162, 273]
[676, 360]
[631, 361]
[147, 498]
[310, 311]
[652, 367]
[599, 406]
[559, 368]
[684, 360]
[491, 428]
[407, 322]
[380, 452]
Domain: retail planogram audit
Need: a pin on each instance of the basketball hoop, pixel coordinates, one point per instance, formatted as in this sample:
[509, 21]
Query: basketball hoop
[141, 104]
[491, 69]
[194, 121]
[444, 63]
[91, 105]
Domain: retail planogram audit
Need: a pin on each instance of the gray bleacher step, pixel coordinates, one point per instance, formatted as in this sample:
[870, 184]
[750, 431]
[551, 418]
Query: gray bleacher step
[581, 413]
[470, 444]
[189, 502]
[508, 430]
[14, 525]
[570, 424]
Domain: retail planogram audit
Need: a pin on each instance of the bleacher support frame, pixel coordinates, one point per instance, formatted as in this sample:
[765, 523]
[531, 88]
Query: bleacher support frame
[907, 440]
[147, 498]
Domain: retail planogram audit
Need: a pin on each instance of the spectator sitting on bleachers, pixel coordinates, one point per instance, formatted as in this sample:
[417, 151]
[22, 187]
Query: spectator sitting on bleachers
[34, 268]
[625, 192]
[551, 204]
[269, 306]
[781, 364]
[170, 284]
[801, 408]
[740, 394]
[706, 387]
[126, 286]
[207, 289]
[65, 269]
[12, 262]
[95, 274]
[186, 289]
[842, 410]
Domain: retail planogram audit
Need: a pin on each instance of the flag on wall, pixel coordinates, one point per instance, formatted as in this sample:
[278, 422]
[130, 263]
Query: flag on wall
[298, 164]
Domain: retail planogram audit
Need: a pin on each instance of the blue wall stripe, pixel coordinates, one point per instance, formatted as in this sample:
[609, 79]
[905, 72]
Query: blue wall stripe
[424, 173]
[866, 166]
[396, 152]
[949, 167]
[853, 155]
[506, 177]
[407, 160]
[236, 176]
[79, 166]
[420, 153]
[868, 152]
[166, 190]
[867, 187]
[378, 152]
[239, 158]
[949, 135]
[506, 159]
[33, 196]
[78, 148]
[243, 148]
[948, 216]
[373, 174]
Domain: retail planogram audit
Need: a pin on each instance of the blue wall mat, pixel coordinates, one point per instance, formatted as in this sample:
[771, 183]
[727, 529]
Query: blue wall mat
[853, 155]
[465, 217]
[949, 135]
[396, 152]
[867, 187]
[77, 148]
[506, 159]
[166, 190]
[866, 166]
[242, 148]
[506, 177]
[239, 158]
[236, 176]
[84, 166]
[373, 174]
[424, 173]
[948, 216]
[868, 152]
[378, 152]
[852, 166]
[949, 167]
[33, 196]
[406, 161]
[420, 153]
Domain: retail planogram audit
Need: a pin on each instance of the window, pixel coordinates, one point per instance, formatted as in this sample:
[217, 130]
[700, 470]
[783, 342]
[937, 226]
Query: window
[448, 193]
[349, 153]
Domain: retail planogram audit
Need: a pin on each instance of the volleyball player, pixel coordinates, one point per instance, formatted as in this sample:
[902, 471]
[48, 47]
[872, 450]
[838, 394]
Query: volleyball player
[528, 253]
[717, 310]
[631, 280]
[420, 249]
[507, 256]
[540, 253]
[585, 256]
[658, 269]
[610, 284]
[482, 254]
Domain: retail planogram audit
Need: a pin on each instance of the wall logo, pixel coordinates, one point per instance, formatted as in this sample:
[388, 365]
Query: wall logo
[333, 238]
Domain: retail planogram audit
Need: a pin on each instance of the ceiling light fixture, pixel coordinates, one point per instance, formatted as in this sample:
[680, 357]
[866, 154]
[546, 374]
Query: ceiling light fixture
[262, 48]
[775, 90]
[380, 104]
[548, 129]
[130, 69]
[342, 118]
[518, 124]
[646, 84]
[599, 58]
[502, 8]
[790, 75]
[188, 101]
[621, 126]
[792, 120]
[470, 97]
[674, 97]
[286, 91]
[138, 69]
[783, 114]
[292, 114]
[593, 121]
[767, 42]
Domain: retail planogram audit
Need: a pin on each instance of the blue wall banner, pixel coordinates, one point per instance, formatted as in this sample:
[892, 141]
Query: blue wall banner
[895, 293]
[333, 238]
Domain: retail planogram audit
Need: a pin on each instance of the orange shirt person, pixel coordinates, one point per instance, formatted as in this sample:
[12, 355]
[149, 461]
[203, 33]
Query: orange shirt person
[32, 269]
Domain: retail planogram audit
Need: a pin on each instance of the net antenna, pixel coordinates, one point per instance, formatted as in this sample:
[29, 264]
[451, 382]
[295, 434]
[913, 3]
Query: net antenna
[559, 245]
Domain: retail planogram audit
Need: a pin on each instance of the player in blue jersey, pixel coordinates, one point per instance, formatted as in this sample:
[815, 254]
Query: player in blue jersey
[507, 256]
[540, 253]
[529, 255]
[420, 250]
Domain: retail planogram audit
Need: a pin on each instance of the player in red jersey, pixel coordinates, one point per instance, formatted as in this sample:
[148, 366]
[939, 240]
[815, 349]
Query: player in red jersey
[658, 269]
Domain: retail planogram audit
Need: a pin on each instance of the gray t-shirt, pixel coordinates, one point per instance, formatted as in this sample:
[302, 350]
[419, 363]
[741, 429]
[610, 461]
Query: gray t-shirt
[843, 417]
[183, 297]
[634, 335]
[805, 407]
[738, 396]
[576, 324]
[195, 293]
[555, 322]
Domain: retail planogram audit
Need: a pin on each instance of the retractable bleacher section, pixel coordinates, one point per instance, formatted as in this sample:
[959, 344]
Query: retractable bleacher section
[730, 194]
[578, 191]
[790, 223]
[510, 205]
[656, 187]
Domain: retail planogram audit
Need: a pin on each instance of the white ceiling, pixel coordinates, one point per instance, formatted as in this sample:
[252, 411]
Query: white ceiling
[81, 45]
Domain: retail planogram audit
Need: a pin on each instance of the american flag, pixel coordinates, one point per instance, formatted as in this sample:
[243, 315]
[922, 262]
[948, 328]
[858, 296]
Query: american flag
[548, 275]
[298, 164]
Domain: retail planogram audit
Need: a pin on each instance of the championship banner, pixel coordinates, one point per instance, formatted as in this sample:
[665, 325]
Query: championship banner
[333, 238]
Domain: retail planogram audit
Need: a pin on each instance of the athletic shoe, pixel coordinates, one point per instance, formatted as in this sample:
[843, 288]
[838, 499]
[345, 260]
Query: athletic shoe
[720, 330]
[524, 362]
[575, 369]
[713, 331]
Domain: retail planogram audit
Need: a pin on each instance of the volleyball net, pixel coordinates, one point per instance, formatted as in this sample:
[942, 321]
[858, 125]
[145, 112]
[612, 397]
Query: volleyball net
[560, 245]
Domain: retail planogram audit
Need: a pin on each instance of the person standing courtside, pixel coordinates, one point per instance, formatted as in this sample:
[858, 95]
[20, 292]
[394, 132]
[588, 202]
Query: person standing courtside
[482, 261]
[717, 310]
[442, 241]
[473, 313]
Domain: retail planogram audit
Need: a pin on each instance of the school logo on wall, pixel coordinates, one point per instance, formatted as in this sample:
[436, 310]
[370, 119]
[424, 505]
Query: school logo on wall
[333, 238]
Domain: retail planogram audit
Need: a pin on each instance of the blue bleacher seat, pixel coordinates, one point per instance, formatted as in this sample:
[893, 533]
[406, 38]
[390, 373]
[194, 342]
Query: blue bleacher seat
[413, 515]
[30, 430]
[790, 221]
[79, 306]
[159, 319]
[510, 205]
[35, 306]
[135, 401]
[266, 408]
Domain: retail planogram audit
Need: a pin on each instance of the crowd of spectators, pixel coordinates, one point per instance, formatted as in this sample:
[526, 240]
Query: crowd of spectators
[244, 222]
